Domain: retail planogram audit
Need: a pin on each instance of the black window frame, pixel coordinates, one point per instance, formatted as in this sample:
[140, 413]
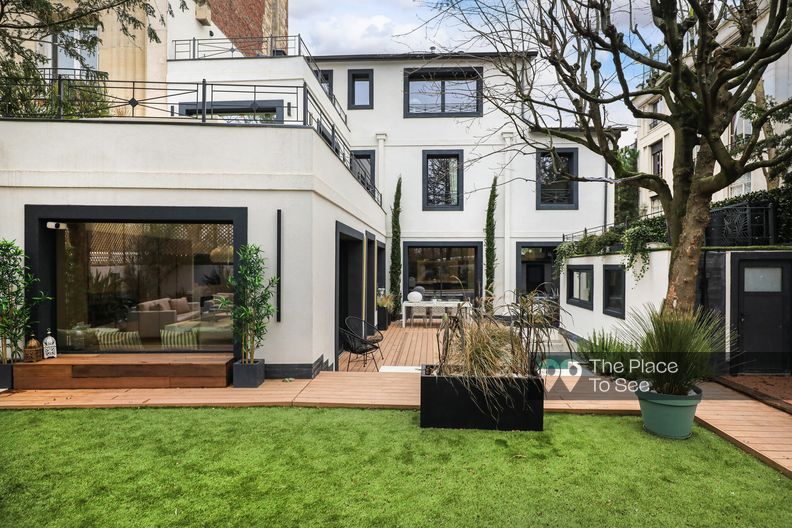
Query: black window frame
[372, 156]
[478, 275]
[540, 206]
[574, 301]
[351, 75]
[608, 310]
[460, 155]
[461, 73]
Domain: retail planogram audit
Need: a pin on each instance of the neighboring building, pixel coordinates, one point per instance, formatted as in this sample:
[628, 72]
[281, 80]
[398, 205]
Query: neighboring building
[134, 238]
[655, 141]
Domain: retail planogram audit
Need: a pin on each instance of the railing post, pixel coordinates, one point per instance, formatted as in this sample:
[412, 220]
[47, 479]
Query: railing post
[334, 137]
[305, 103]
[203, 101]
[299, 45]
[194, 48]
[60, 97]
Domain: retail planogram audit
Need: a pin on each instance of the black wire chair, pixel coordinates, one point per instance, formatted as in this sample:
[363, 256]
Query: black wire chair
[356, 345]
[364, 330]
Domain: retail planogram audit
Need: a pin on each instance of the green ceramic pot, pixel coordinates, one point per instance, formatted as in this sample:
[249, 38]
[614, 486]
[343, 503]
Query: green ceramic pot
[668, 415]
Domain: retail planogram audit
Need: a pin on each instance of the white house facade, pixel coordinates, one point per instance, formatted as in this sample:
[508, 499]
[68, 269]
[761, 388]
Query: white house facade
[132, 217]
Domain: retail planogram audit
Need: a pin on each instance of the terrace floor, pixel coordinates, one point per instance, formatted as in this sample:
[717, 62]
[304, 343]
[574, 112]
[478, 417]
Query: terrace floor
[753, 426]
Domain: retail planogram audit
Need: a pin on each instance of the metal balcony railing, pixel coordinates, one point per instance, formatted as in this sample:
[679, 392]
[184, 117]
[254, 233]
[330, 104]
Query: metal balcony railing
[202, 102]
[251, 48]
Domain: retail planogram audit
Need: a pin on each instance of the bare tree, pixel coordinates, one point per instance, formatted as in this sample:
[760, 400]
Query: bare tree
[593, 58]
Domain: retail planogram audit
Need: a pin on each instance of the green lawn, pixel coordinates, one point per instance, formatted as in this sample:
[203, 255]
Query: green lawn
[312, 467]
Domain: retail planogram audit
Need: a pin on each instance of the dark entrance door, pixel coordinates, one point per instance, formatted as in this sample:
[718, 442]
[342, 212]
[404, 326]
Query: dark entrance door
[349, 277]
[764, 315]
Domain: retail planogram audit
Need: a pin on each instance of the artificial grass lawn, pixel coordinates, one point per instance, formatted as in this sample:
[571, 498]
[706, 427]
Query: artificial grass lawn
[335, 467]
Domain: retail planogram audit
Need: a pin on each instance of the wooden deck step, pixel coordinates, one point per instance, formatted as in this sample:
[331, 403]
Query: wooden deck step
[125, 371]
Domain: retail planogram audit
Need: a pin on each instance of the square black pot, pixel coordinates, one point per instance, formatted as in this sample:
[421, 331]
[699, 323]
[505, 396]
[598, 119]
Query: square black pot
[447, 402]
[6, 376]
[247, 376]
[383, 318]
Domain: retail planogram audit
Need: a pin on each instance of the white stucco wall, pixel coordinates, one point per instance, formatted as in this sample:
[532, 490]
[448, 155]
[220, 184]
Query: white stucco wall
[261, 168]
[649, 290]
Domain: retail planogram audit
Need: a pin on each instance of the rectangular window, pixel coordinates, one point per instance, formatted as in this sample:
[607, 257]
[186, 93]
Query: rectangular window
[439, 92]
[740, 187]
[553, 188]
[657, 158]
[443, 180]
[361, 89]
[63, 61]
[442, 272]
[580, 286]
[144, 287]
[613, 302]
[364, 165]
[655, 206]
[654, 108]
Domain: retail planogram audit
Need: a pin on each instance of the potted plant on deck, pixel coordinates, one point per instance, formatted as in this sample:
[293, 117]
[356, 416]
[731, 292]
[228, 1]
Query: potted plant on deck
[489, 372]
[251, 312]
[15, 308]
[667, 354]
[385, 305]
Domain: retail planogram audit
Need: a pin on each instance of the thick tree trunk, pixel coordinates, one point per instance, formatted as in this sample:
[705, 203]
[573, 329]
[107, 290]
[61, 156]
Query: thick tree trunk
[686, 254]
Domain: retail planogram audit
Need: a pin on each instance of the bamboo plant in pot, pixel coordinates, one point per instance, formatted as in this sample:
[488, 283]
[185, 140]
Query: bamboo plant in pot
[15, 307]
[667, 354]
[489, 372]
[251, 312]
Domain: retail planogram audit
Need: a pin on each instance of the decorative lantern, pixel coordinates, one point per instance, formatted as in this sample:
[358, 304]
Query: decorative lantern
[50, 346]
[33, 351]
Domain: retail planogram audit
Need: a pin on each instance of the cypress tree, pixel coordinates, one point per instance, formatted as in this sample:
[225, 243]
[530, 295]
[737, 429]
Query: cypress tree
[489, 242]
[395, 254]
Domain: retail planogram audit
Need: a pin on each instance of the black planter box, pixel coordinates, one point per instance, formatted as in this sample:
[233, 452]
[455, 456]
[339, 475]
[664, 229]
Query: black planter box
[383, 318]
[447, 402]
[247, 376]
[6, 376]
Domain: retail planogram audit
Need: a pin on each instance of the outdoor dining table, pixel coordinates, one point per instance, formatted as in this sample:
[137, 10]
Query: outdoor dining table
[428, 304]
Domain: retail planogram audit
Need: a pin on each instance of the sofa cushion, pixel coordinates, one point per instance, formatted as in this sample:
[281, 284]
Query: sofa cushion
[180, 305]
[155, 305]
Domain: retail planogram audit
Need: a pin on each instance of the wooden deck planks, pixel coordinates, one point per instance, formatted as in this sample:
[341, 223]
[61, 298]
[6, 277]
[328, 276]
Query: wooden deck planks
[402, 347]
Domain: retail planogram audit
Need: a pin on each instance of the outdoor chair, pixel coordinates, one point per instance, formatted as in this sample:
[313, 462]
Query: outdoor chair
[436, 311]
[364, 330]
[357, 346]
[420, 311]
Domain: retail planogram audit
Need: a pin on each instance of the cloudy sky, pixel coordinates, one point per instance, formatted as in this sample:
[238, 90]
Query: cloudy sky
[361, 26]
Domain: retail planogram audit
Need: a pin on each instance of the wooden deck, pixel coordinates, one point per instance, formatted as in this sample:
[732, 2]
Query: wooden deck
[411, 346]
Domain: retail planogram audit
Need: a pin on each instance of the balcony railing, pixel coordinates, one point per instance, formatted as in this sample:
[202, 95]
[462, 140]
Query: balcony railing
[202, 102]
[251, 48]
[742, 225]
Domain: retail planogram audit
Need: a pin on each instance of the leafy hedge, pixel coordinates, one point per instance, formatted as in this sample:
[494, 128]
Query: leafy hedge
[635, 236]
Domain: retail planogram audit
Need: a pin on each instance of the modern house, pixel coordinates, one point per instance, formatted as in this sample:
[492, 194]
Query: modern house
[131, 211]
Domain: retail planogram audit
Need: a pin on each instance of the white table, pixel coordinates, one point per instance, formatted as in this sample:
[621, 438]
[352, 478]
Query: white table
[428, 304]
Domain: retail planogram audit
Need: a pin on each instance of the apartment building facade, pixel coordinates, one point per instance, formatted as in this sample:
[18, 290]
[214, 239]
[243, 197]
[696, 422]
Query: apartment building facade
[655, 139]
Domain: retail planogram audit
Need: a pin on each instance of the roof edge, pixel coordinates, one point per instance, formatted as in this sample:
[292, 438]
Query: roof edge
[371, 57]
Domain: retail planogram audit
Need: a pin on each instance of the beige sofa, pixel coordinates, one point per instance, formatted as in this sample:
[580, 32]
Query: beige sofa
[150, 317]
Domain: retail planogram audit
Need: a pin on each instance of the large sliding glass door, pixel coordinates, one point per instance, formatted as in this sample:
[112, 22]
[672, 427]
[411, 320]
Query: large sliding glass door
[144, 287]
[443, 271]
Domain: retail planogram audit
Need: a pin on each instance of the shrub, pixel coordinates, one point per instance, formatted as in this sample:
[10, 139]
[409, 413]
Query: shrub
[602, 350]
[685, 339]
